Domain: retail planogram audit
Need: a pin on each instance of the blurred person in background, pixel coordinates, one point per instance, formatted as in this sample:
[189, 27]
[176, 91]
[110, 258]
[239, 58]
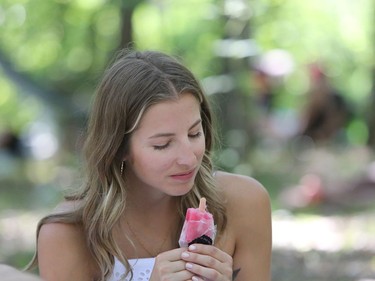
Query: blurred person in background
[326, 112]
[12, 154]
[148, 159]
[264, 90]
[11, 143]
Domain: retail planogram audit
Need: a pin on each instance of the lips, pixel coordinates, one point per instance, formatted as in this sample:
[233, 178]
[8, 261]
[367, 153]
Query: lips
[184, 176]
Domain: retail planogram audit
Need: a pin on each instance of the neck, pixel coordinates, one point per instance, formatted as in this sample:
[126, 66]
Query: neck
[147, 209]
[140, 194]
[152, 225]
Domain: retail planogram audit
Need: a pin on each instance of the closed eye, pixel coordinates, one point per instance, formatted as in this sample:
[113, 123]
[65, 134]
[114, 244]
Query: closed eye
[164, 146]
[161, 147]
[197, 135]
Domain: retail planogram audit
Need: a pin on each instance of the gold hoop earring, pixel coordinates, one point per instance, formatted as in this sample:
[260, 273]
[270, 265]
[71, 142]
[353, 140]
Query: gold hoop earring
[122, 167]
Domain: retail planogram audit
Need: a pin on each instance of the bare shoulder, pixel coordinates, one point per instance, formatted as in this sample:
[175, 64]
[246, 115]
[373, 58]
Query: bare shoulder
[73, 261]
[57, 234]
[66, 239]
[247, 203]
[241, 189]
[249, 224]
[60, 232]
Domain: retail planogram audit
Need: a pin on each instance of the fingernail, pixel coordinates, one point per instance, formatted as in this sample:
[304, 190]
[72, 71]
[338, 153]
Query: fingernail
[192, 247]
[194, 278]
[189, 266]
[185, 255]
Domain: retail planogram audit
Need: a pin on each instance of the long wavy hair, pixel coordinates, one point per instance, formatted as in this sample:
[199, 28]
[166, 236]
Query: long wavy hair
[132, 83]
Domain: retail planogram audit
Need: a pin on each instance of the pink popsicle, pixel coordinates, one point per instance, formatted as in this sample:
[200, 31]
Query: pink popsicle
[198, 227]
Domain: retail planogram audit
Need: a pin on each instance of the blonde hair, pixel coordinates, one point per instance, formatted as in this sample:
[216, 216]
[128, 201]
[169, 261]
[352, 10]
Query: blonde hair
[132, 83]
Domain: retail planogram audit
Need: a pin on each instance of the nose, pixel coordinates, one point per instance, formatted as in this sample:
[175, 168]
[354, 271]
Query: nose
[187, 155]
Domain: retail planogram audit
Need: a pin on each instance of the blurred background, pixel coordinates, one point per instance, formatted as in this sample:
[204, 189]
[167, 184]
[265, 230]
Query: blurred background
[293, 88]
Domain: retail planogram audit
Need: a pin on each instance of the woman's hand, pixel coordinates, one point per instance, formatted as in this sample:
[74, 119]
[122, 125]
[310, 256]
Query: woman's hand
[208, 263]
[170, 266]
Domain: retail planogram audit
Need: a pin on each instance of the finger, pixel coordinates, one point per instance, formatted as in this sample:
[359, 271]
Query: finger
[206, 265]
[172, 255]
[197, 278]
[165, 266]
[171, 271]
[211, 251]
[181, 275]
[184, 275]
[177, 276]
[201, 259]
[204, 273]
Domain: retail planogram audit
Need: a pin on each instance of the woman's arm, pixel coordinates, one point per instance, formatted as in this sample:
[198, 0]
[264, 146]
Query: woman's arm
[249, 218]
[63, 254]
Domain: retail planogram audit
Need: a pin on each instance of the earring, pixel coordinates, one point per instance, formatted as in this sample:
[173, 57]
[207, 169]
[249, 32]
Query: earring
[122, 167]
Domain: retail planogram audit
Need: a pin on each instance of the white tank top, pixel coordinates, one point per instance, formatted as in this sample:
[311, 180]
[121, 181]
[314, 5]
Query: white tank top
[142, 269]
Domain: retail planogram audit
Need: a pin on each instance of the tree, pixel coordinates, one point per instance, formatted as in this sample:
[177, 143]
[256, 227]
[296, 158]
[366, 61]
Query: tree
[370, 109]
[55, 51]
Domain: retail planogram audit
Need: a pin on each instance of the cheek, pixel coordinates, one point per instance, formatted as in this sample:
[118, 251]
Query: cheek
[151, 161]
[201, 149]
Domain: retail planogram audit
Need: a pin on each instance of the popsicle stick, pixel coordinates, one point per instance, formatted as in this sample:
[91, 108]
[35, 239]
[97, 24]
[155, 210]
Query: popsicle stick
[202, 204]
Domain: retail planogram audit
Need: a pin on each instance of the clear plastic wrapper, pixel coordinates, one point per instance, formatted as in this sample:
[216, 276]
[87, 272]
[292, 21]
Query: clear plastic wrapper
[199, 226]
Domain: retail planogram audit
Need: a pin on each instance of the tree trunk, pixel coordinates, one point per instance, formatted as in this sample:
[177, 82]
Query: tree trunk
[127, 10]
[370, 111]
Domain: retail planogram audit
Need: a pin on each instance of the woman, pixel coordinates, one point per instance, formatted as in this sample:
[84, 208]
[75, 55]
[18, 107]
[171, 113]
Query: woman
[147, 156]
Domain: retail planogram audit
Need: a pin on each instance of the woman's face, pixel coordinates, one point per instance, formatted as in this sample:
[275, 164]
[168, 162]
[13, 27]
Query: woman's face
[167, 148]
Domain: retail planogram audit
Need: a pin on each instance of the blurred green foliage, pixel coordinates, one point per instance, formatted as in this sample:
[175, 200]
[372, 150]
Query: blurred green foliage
[65, 44]
[338, 33]
[62, 47]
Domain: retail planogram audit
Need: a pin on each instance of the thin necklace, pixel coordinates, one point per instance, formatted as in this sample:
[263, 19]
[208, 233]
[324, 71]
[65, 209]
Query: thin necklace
[142, 245]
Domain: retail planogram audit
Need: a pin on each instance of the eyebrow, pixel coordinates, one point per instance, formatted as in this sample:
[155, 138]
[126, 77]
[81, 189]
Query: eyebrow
[172, 134]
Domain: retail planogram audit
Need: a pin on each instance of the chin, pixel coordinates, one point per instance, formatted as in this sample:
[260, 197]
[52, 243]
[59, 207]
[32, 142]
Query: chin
[181, 190]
